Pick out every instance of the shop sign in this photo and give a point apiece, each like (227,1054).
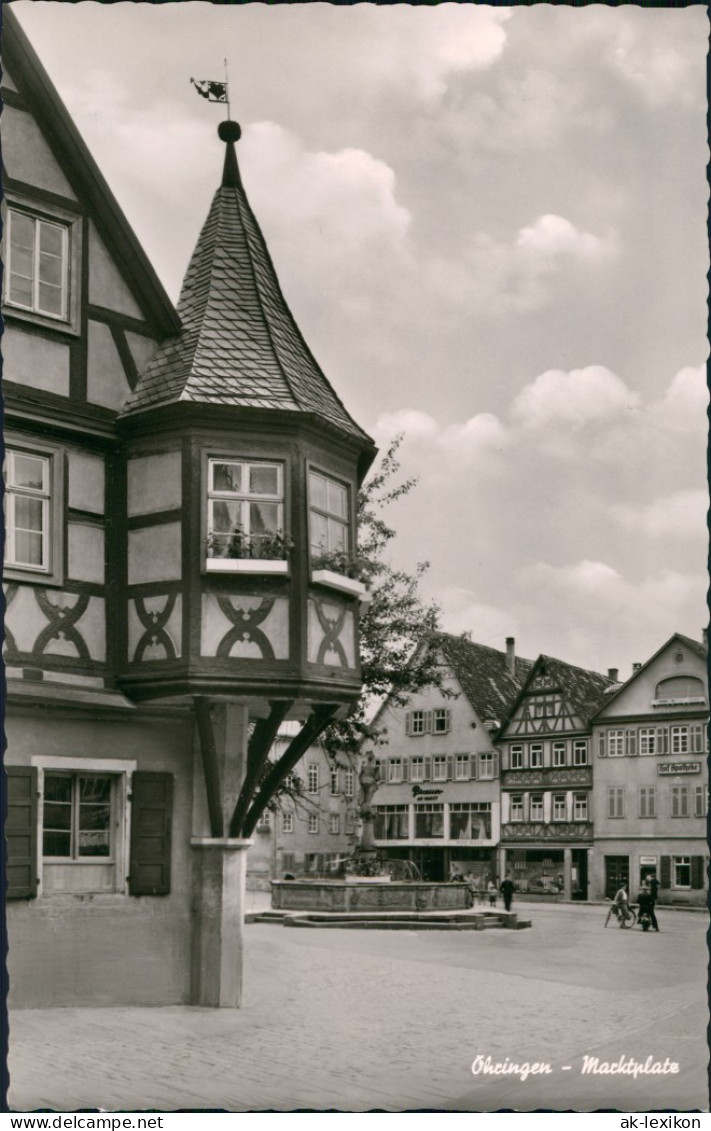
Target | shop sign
(679,768)
(646,860)
(425,794)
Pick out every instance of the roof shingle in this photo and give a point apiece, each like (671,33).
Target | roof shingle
(240,344)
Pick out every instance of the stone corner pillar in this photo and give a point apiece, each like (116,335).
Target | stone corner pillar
(220,868)
(567,873)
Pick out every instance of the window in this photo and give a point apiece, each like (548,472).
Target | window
(313,822)
(486,766)
(38,265)
(429,820)
(263,823)
(615,801)
(560,808)
(439,767)
(580,806)
(679,689)
(287,822)
(76,818)
(395,770)
(516,807)
(348,782)
(580,753)
(334,782)
(615,743)
(416,722)
(312,777)
(461,767)
(440,720)
(470,820)
(701,800)
(328,515)
(28,511)
(536,806)
(680,801)
(536,755)
(417,769)
(245,509)
(545,707)
(647,801)
(680,740)
(517,757)
(681,875)
(558,753)
(647,741)
(334,823)
(391,822)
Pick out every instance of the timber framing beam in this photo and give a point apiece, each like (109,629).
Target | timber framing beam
(260,743)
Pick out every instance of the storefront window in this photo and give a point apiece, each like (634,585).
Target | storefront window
(470,821)
(391,822)
(429,820)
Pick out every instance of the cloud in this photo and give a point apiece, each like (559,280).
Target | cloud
(552,235)
(661,58)
(346,196)
(681,515)
(573,399)
(462,611)
(481,437)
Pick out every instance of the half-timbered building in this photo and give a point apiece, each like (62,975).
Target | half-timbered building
(181,507)
(546,779)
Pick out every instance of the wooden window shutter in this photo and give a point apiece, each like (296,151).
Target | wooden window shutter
(408,723)
(474,764)
(450,767)
(405,769)
(665,872)
(601,752)
(151,821)
(697,872)
(496,763)
(21,832)
(428,768)
(631,741)
(427,718)
(663,736)
(697,738)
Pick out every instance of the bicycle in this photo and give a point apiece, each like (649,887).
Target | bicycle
(629,919)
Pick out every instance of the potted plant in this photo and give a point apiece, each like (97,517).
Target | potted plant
(236,551)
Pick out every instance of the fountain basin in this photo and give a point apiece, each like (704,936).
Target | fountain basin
(368,894)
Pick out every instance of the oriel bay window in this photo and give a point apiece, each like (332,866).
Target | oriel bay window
(470,820)
(391,822)
(245,510)
(429,820)
(328,517)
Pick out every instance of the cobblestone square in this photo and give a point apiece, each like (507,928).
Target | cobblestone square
(392,1020)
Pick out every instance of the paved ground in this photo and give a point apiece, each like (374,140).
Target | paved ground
(392,1020)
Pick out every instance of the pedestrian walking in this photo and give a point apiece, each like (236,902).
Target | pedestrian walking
(491,889)
(507,890)
(622,904)
(653,885)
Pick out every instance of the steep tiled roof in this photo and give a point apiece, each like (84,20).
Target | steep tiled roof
(240,344)
(584,690)
(694,645)
(483,674)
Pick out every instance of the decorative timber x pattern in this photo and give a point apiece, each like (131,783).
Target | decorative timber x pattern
(62,619)
(538,830)
(154,622)
(548,776)
(332,627)
(245,628)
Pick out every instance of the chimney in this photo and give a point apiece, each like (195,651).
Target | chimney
(636,666)
(511,655)
(612,673)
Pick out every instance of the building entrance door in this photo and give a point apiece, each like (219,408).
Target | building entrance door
(430,863)
(617,874)
(580,873)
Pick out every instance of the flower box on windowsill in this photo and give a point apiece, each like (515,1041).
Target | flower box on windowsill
(247,565)
(339,581)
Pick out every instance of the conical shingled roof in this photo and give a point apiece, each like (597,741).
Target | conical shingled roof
(240,344)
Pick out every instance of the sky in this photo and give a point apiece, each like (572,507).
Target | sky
(490,225)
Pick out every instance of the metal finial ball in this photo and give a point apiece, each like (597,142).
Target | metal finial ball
(229,131)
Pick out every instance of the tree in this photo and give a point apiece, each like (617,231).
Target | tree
(394,631)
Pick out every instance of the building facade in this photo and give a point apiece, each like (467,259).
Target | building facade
(438,803)
(650,790)
(547,780)
(313,827)
(181,509)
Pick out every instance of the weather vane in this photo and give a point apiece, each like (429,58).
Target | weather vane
(214,91)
